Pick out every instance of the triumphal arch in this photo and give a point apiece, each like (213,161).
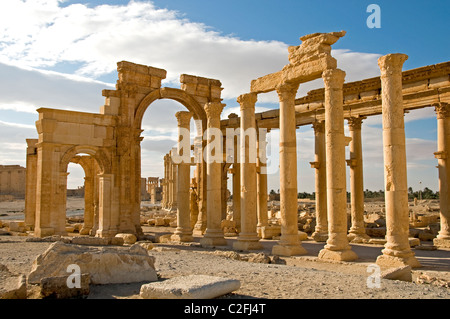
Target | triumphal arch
(107,146)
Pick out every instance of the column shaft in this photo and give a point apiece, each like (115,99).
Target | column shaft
(289,243)
(337,247)
(397,250)
(214,234)
(183,233)
(248,237)
(321,231)
(357,231)
(443,141)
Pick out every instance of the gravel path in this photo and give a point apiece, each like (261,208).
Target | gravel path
(299,278)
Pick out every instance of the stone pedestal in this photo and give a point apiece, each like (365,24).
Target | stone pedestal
(213,234)
(443,139)
(248,238)
(337,247)
(321,231)
(357,233)
(289,243)
(397,250)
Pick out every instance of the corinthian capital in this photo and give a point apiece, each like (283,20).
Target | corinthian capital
(442,110)
(354,123)
(183,118)
(213,110)
(247,100)
(287,91)
(391,63)
(333,78)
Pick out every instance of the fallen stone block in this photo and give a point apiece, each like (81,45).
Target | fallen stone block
(49,239)
(128,239)
(399,273)
(90,241)
(105,265)
(190,287)
(377,241)
(413,242)
(147,245)
(261,258)
(426,247)
(11,285)
(4,232)
(425,236)
(58,287)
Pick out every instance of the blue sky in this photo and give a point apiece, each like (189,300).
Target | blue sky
(61,54)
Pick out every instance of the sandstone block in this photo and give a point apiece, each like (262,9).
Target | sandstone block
(413,242)
(91,241)
(56,287)
(189,287)
(105,265)
(128,239)
(12,286)
(425,236)
(399,273)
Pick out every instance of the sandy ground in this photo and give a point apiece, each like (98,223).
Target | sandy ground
(302,277)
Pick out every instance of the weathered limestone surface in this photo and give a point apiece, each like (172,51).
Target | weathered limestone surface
(56,287)
(397,251)
(105,265)
(190,287)
(248,236)
(213,235)
(337,247)
(289,244)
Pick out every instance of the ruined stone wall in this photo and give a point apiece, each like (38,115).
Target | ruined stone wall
(12,180)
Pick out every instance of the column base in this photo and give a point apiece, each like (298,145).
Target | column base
(213,238)
(247,242)
(181,237)
(441,242)
(319,237)
(268,232)
(288,250)
(85,231)
(391,261)
(338,255)
(44,232)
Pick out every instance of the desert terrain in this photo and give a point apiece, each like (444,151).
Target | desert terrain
(261,274)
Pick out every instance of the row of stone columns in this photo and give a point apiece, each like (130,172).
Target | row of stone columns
(251,206)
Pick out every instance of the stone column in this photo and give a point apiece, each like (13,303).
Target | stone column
(173,182)
(213,234)
(183,233)
(337,247)
(289,243)
(106,182)
(397,251)
(443,140)
(88,202)
(164,184)
(237,186)
(248,237)
(261,184)
(357,233)
(321,231)
(31,180)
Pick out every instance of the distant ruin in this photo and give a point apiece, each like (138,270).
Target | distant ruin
(12,181)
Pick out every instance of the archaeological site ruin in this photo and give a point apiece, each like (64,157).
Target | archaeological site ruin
(108,144)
